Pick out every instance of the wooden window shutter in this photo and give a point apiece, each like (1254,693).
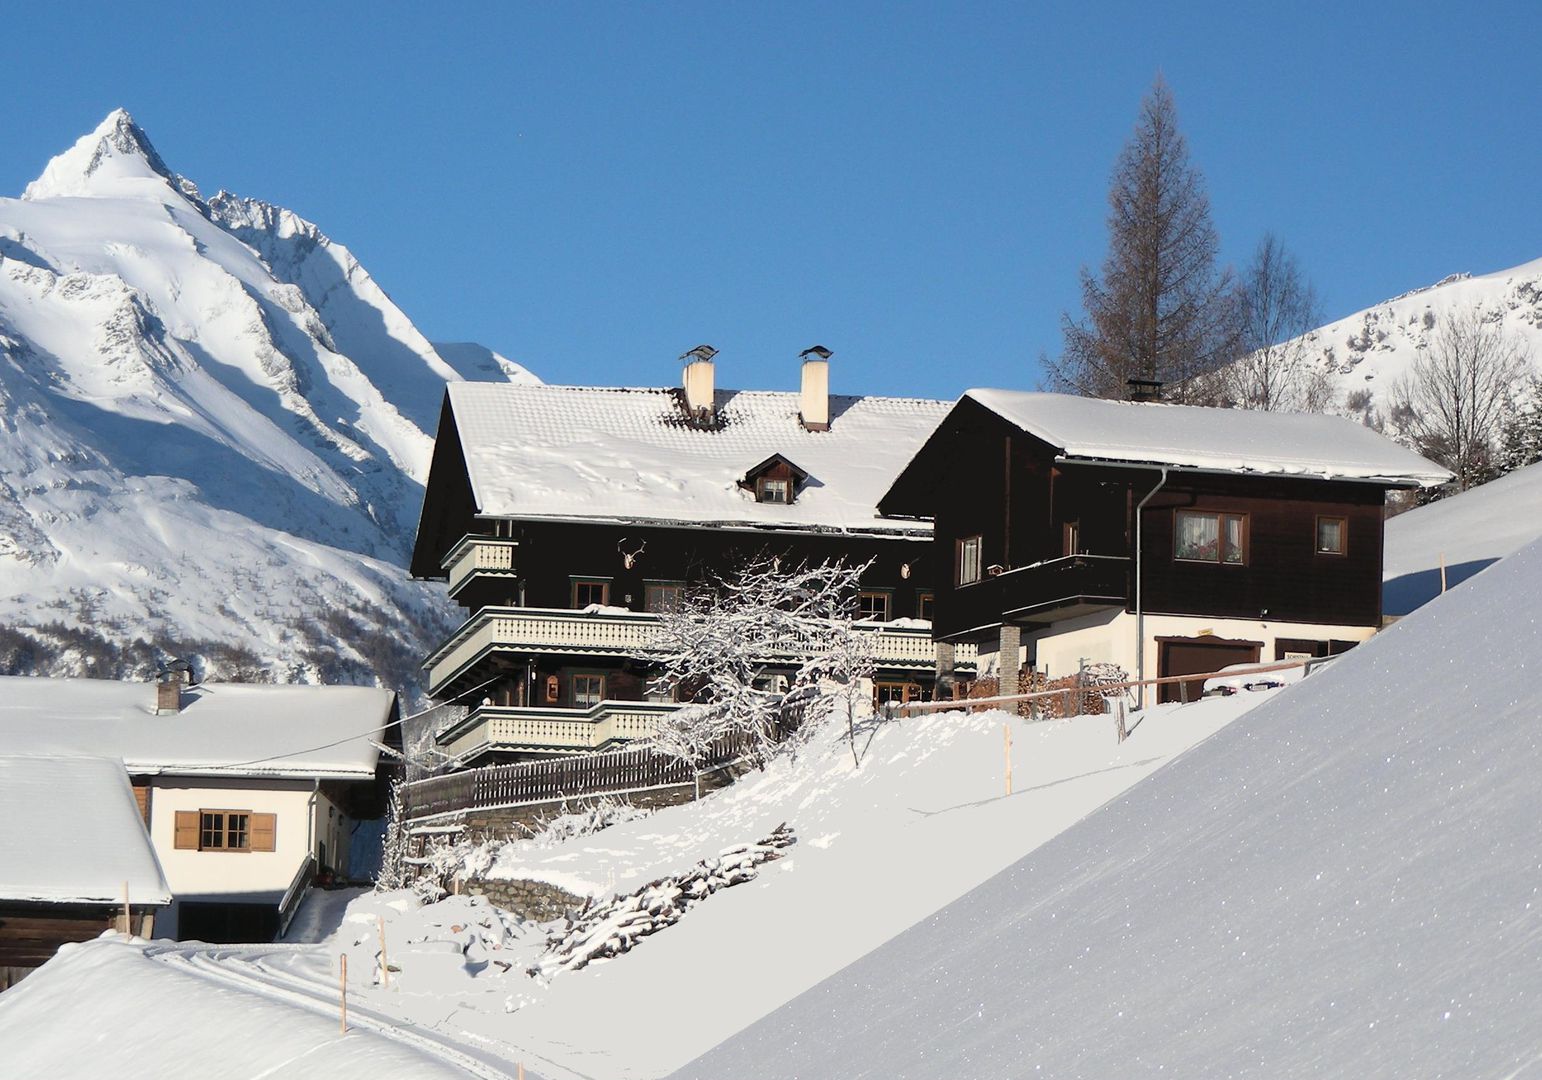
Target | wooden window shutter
(264,831)
(187,830)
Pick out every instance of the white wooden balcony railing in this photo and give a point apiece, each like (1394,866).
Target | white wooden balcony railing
(555,631)
(494,727)
(479,555)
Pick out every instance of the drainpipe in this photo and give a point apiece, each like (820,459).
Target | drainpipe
(1140,609)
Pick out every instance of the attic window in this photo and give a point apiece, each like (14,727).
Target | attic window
(773,490)
(775,480)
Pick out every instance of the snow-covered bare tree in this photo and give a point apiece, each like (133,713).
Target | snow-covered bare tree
(394,873)
(1159,310)
(1451,403)
(758,653)
(1276,308)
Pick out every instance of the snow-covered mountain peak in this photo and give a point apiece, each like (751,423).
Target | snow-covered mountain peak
(116,159)
(214,432)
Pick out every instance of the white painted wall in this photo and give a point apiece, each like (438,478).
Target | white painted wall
(234,875)
(1110,638)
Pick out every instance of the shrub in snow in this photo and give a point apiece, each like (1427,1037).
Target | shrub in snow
(394,872)
(567,824)
(611,927)
(759,655)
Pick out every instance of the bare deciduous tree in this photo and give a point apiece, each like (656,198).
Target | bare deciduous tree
(1451,403)
(1276,308)
(1159,310)
(756,649)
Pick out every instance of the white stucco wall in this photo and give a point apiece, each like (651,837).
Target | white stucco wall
(233,875)
(1111,638)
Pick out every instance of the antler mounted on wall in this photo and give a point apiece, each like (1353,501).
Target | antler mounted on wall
(629,558)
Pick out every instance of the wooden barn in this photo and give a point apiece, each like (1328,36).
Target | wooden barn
(75,858)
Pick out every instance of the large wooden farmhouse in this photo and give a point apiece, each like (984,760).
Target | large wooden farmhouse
(565,519)
(1166,539)
(246,793)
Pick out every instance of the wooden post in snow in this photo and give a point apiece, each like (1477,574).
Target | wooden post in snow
(1119,726)
(385,965)
(128,919)
(1442,571)
(342,993)
(521,1071)
(1006,731)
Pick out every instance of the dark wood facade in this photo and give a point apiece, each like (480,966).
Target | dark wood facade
(31,932)
(1057,538)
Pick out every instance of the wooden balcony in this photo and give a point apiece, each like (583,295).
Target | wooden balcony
(493,728)
(1036,595)
(479,555)
(615,634)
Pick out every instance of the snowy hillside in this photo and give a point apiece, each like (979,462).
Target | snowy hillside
(1341,883)
(214,427)
(1366,352)
(1468,532)
(878,848)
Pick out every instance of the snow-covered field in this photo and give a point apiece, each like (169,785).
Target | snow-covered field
(1468,532)
(879,848)
(1345,882)
(214,428)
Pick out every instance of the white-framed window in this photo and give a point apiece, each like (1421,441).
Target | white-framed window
(1332,536)
(773,490)
(968,560)
(1210,536)
(587,689)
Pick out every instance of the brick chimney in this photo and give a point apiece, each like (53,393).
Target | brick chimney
(168,687)
(814,395)
(697,382)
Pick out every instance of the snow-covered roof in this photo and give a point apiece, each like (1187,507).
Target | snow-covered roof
(579,452)
(70,832)
(1231,440)
(223,729)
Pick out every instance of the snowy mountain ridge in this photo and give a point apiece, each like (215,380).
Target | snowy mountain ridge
(214,428)
(1367,352)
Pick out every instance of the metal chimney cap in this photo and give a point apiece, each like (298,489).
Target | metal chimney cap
(815,350)
(701,352)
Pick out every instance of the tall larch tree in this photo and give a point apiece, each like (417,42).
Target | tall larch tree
(1160,310)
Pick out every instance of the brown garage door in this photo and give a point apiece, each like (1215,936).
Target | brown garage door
(1194,656)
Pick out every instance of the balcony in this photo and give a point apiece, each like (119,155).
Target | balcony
(615,634)
(479,555)
(494,729)
(1040,594)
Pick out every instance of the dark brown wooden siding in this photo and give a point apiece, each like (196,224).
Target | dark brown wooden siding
(31,933)
(1284,578)
(449,507)
(992,480)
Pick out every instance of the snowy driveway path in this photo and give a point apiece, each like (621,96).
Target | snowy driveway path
(304,976)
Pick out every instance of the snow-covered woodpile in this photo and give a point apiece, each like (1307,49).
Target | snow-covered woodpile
(612,927)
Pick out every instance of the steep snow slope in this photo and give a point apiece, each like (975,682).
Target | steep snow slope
(1469,531)
(1369,350)
(214,426)
(1344,882)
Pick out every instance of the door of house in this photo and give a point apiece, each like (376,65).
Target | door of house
(1196,656)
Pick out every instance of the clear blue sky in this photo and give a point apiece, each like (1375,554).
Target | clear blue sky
(594,189)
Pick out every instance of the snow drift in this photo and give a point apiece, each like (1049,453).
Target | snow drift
(1343,882)
(214,428)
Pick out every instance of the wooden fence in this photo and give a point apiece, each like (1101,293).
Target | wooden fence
(525,782)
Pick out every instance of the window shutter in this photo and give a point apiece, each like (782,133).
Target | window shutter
(186,830)
(264,830)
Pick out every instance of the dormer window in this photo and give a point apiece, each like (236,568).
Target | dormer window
(772,490)
(775,480)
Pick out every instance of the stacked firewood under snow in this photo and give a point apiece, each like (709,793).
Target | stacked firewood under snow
(611,927)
